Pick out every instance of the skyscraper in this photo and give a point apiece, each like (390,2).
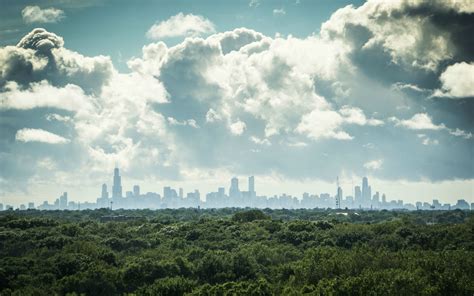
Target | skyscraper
(63,201)
(358,196)
(366,196)
(117,187)
(103,201)
(338,197)
(234,191)
(252,186)
(105,193)
(376,199)
(136,190)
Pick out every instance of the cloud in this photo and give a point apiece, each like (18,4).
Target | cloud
(422,121)
(236,39)
(212,116)
(41,40)
(297,144)
(38,135)
(34,14)
(238,127)
(419,121)
(407,86)
(254,3)
(457,81)
(414,34)
(303,101)
(425,140)
(460,133)
(279,12)
(357,116)
(189,122)
(58,117)
(260,141)
(321,124)
(181,25)
(42,94)
(40,55)
(374,164)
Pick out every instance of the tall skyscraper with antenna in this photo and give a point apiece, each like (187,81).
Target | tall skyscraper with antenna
(338,194)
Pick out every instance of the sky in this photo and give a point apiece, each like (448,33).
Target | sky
(191,93)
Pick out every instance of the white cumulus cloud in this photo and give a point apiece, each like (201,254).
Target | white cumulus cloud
(35,14)
(422,121)
(42,94)
(457,81)
(238,127)
(39,135)
(323,124)
(419,121)
(181,25)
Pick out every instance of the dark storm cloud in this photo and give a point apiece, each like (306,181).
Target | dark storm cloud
(437,21)
(40,55)
(458,24)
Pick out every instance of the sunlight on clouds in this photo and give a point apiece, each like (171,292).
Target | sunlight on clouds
(38,135)
(457,81)
(181,25)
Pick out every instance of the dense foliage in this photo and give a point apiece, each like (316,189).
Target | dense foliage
(236,252)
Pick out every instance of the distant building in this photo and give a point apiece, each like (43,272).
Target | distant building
(338,197)
(358,196)
(117,187)
(252,192)
(418,205)
(31,205)
(136,190)
(462,205)
(376,200)
(366,192)
(105,193)
(102,201)
(234,191)
(63,201)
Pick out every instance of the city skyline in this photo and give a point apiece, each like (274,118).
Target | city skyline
(362,198)
(295,93)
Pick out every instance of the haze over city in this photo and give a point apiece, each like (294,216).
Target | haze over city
(189,94)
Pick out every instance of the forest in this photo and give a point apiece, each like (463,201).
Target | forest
(236,252)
